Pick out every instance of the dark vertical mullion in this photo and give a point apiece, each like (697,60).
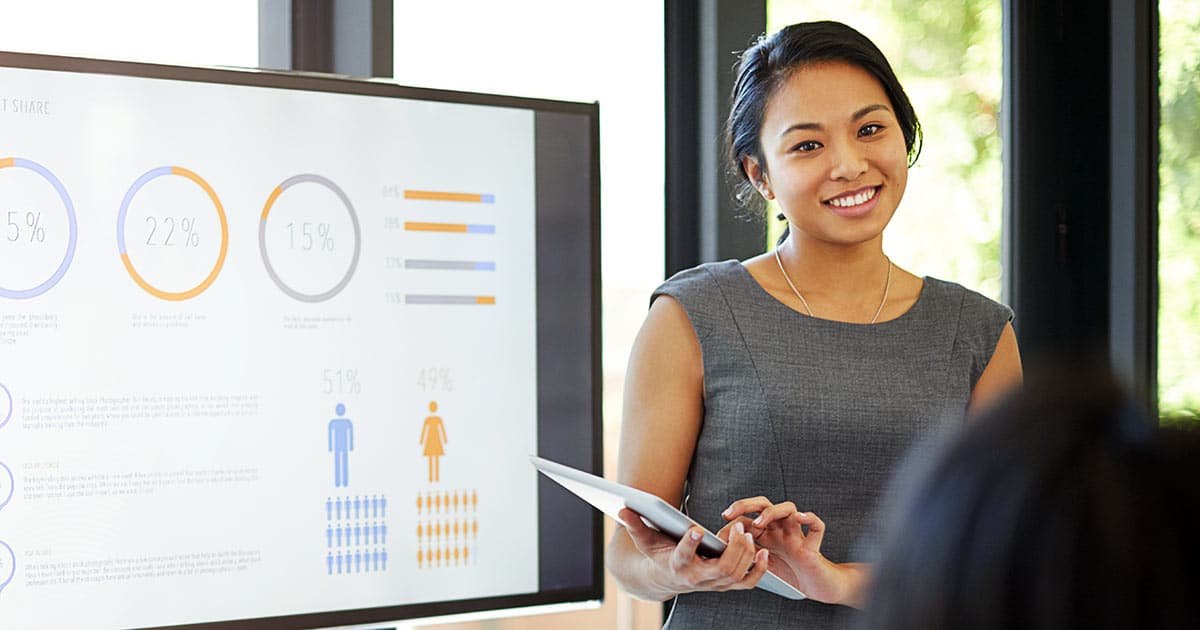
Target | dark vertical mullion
(702,42)
(1133,292)
(349,37)
(681,117)
(312,35)
(1057,146)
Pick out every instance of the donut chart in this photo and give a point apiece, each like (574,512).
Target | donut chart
(6,400)
(124,252)
(264,250)
(72,233)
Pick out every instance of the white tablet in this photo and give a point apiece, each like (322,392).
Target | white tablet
(609,497)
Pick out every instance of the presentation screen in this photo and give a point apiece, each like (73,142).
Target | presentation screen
(275,348)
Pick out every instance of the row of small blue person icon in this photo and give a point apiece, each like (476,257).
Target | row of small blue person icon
(374,506)
(373,534)
(357,562)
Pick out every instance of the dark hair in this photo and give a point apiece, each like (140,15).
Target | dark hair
(765,66)
(1064,507)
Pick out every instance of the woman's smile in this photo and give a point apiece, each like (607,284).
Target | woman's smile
(855,203)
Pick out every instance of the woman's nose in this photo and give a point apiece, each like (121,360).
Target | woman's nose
(849,163)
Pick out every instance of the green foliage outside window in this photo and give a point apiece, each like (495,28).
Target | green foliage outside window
(1179,209)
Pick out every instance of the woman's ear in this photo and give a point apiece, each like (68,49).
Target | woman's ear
(758,177)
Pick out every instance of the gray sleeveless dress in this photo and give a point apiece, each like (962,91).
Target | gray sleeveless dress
(816,412)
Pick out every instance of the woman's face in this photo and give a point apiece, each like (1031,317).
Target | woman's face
(835,155)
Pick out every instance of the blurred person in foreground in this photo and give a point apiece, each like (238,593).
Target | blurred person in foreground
(1065,506)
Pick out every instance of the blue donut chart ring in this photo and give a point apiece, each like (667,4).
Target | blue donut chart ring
(5,579)
(24,294)
(7,416)
(4,471)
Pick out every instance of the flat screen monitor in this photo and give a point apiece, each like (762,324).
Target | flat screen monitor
(275,348)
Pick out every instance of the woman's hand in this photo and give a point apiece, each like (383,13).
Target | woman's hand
(677,568)
(794,539)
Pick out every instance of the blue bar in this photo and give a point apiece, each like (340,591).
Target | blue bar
(481,229)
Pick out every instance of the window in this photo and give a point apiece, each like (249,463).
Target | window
(1179,208)
(215,32)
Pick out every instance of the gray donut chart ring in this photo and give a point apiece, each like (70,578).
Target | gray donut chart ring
(262,238)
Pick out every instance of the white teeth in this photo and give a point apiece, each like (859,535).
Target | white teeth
(855,200)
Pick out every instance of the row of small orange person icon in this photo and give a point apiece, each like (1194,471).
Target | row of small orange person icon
(443,557)
(447,529)
(446,502)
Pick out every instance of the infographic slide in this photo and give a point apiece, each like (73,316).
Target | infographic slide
(263,351)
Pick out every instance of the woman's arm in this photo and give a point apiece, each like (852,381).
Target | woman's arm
(664,394)
(1002,374)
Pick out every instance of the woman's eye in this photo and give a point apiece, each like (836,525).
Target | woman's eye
(805,147)
(870,130)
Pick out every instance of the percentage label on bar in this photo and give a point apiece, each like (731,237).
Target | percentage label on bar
(341,381)
(434,379)
(303,236)
(161,231)
(35,233)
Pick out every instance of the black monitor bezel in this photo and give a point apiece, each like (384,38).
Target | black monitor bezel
(319,82)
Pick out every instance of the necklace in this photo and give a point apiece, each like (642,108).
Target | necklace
(886,287)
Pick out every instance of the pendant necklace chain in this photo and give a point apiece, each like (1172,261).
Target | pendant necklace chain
(886,287)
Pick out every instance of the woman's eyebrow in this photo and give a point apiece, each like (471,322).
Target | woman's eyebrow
(812,126)
(868,109)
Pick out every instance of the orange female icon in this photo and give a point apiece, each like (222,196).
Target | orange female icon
(433,437)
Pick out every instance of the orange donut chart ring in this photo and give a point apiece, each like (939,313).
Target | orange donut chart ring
(133,273)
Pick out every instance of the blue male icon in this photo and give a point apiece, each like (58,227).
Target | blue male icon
(341,442)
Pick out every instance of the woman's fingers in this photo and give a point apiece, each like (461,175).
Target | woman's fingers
(776,512)
(740,566)
(725,532)
(739,553)
(644,538)
(816,529)
(762,559)
(685,552)
(745,506)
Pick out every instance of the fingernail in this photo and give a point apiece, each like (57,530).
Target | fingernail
(758,521)
(728,511)
(766,555)
(737,527)
(695,535)
(749,538)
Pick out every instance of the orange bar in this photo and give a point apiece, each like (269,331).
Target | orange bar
(430,195)
(6,162)
(485,299)
(416,226)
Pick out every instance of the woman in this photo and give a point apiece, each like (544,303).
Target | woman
(805,373)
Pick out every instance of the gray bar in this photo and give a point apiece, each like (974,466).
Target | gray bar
(442,299)
(452,265)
